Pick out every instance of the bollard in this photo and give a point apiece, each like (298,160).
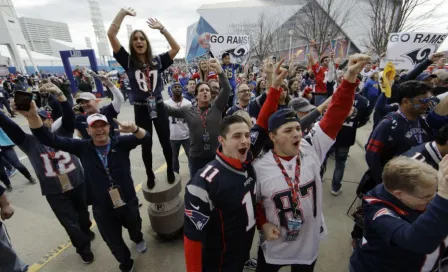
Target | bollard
(166,206)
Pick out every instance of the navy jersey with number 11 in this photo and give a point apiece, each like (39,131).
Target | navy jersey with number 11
(219,212)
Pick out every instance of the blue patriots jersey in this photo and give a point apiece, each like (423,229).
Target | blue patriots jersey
(426,152)
(220,213)
(398,238)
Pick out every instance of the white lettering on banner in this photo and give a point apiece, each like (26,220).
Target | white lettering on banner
(75,54)
(406,50)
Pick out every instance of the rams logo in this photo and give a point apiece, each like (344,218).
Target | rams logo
(421,54)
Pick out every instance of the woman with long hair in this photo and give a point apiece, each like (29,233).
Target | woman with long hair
(293,86)
(260,88)
(145,76)
(204,70)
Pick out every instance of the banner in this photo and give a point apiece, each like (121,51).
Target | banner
(238,46)
(406,50)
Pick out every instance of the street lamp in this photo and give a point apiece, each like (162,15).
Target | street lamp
(291,32)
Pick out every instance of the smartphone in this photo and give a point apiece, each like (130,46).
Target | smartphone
(23,100)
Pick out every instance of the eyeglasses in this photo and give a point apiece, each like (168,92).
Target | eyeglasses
(424,100)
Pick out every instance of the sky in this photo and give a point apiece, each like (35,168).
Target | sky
(175,15)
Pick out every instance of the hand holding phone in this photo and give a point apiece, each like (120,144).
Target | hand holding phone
(22,100)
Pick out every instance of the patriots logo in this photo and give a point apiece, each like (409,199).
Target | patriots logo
(384,211)
(253,136)
(199,219)
(421,54)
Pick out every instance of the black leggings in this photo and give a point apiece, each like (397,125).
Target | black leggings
(8,153)
(162,126)
(262,266)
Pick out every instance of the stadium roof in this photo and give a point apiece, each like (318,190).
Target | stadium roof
(356,28)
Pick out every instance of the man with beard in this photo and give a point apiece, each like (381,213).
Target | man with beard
(243,95)
(179,132)
(202,120)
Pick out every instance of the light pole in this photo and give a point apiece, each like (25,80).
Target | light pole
(291,32)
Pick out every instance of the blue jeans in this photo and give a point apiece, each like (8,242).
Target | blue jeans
(340,154)
(175,146)
(319,99)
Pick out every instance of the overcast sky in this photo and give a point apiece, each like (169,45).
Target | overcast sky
(175,15)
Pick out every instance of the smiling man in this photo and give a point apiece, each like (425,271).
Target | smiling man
(108,178)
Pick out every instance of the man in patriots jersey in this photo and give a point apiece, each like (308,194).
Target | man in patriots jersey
(431,152)
(220,199)
(405,219)
(60,175)
(289,187)
(230,70)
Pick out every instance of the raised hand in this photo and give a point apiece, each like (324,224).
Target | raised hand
(125,126)
(128,11)
(214,63)
(436,56)
(280,75)
(154,24)
(268,66)
(356,63)
(50,88)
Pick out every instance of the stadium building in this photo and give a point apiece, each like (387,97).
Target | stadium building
(243,17)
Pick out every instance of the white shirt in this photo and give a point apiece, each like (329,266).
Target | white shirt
(178,126)
(366,76)
(275,194)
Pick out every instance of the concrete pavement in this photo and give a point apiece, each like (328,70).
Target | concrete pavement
(35,232)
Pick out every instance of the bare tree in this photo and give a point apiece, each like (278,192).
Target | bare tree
(321,21)
(260,34)
(391,16)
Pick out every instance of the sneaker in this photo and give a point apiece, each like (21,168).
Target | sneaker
(87,258)
(12,172)
(32,181)
(251,264)
(141,247)
(91,235)
(9,188)
(336,193)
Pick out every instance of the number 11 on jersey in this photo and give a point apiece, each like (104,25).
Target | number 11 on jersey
(247,202)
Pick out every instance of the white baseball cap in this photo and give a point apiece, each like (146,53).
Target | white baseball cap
(86,96)
(96,117)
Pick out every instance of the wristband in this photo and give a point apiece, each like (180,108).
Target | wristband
(59,94)
(162,30)
(138,128)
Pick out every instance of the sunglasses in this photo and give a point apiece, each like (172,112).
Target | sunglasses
(424,100)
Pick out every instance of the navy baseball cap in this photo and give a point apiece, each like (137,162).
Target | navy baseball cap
(44,114)
(282,117)
(425,76)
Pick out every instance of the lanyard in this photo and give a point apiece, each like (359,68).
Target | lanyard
(105,161)
(203,117)
(419,139)
(54,161)
(294,187)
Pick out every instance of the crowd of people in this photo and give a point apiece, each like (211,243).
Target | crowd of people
(257,140)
